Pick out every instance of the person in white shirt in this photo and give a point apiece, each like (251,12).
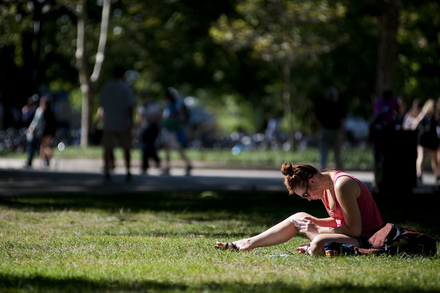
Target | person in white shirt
(118,102)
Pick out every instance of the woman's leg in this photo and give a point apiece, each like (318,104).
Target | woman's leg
(155,157)
(167,150)
(42,147)
(317,244)
(438,165)
(108,150)
(151,143)
(278,234)
(168,140)
(181,151)
(419,162)
(434,163)
(48,150)
(145,164)
(45,150)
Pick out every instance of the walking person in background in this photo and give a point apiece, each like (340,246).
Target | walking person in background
(173,116)
(46,154)
(428,139)
(118,102)
(411,121)
(331,115)
(148,120)
(27,116)
(412,118)
(41,131)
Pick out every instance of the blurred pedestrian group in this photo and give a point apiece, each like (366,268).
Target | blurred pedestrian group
(118,122)
(391,113)
(153,125)
(391,119)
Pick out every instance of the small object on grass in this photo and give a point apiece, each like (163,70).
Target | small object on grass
(280,255)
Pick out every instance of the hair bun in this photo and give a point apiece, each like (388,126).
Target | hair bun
(287,169)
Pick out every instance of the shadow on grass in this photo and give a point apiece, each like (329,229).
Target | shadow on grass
(270,206)
(413,211)
(43,284)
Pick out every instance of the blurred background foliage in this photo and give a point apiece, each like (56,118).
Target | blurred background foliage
(235,57)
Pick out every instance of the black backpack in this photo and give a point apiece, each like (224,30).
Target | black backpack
(393,239)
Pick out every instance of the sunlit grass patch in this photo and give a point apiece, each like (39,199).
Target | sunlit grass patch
(165,243)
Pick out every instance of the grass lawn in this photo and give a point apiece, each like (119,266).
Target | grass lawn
(354,158)
(154,242)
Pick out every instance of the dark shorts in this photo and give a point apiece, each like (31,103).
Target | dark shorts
(109,139)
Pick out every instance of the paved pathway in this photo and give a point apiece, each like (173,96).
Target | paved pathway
(86,176)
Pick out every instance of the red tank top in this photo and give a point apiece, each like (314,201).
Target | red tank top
(370,215)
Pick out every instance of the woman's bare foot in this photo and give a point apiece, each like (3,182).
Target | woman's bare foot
(303,248)
(226,246)
(244,244)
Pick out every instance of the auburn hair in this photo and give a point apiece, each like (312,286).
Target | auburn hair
(297,175)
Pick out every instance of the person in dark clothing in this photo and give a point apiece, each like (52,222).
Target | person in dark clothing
(428,140)
(331,115)
(148,119)
(42,128)
(385,109)
(172,129)
(28,111)
(27,115)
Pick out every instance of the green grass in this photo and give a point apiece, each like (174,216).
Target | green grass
(353,158)
(153,242)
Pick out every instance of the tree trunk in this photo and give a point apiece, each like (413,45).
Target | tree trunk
(387,46)
(287,105)
(88,84)
(100,55)
(81,65)
(37,38)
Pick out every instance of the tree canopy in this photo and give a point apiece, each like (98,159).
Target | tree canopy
(246,60)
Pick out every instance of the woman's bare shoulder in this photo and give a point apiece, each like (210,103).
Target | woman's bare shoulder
(347,186)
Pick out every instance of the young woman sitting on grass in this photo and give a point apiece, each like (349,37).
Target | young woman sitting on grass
(354,215)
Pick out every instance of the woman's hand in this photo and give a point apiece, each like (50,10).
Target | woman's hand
(306,225)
